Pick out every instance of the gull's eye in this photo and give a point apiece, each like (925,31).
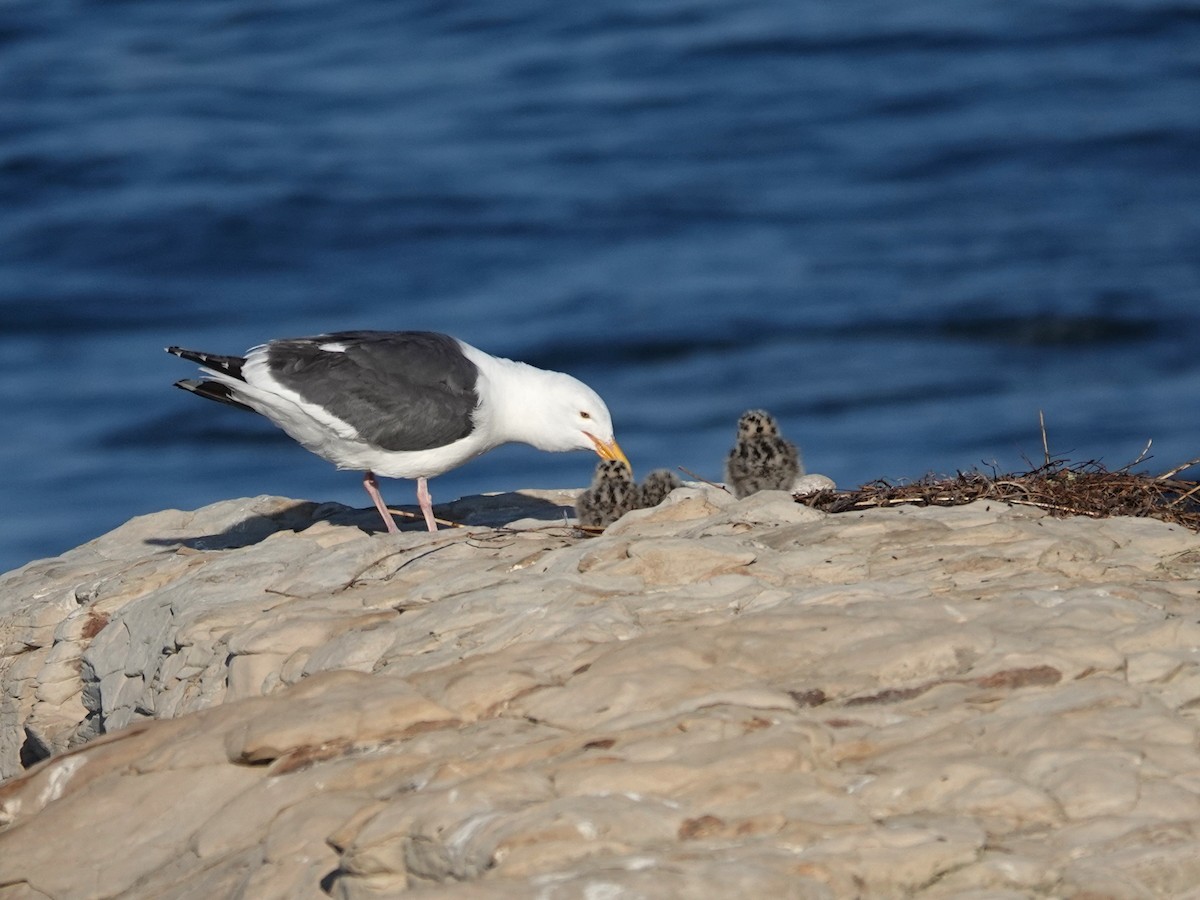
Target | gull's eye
(584,414)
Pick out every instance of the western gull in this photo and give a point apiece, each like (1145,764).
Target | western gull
(612,494)
(656,486)
(404,404)
(761,460)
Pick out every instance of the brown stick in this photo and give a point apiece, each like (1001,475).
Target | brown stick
(1175,471)
(412,515)
(705,480)
(1045,443)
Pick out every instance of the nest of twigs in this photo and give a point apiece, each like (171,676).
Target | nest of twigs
(1059,487)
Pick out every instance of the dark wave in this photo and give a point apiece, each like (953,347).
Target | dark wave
(1051,330)
(93,312)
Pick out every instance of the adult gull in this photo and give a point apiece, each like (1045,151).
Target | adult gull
(404,404)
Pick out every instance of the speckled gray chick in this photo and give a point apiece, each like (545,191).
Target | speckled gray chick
(657,485)
(612,494)
(761,460)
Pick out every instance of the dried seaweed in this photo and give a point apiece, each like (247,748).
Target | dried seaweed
(1059,487)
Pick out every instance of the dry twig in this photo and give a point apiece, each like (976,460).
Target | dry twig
(711,484)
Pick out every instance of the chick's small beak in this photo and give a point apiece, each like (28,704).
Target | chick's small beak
(609,449)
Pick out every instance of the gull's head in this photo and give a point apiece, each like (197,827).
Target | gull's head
(571,416)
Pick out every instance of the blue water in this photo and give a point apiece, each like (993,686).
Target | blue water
(902,227)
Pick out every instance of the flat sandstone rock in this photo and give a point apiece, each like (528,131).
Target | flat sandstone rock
(712,698)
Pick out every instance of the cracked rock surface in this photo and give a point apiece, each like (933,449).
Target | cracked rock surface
(714,698)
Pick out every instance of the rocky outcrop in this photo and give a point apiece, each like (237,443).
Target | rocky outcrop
(713,698)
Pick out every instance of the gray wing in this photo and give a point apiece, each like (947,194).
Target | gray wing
(400,390)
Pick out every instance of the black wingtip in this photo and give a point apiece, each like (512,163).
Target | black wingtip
(212,390)
(231,365)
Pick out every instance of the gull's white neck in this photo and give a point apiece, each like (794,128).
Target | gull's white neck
(508,391)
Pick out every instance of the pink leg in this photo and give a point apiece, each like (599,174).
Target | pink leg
(426,502)
(373,489)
